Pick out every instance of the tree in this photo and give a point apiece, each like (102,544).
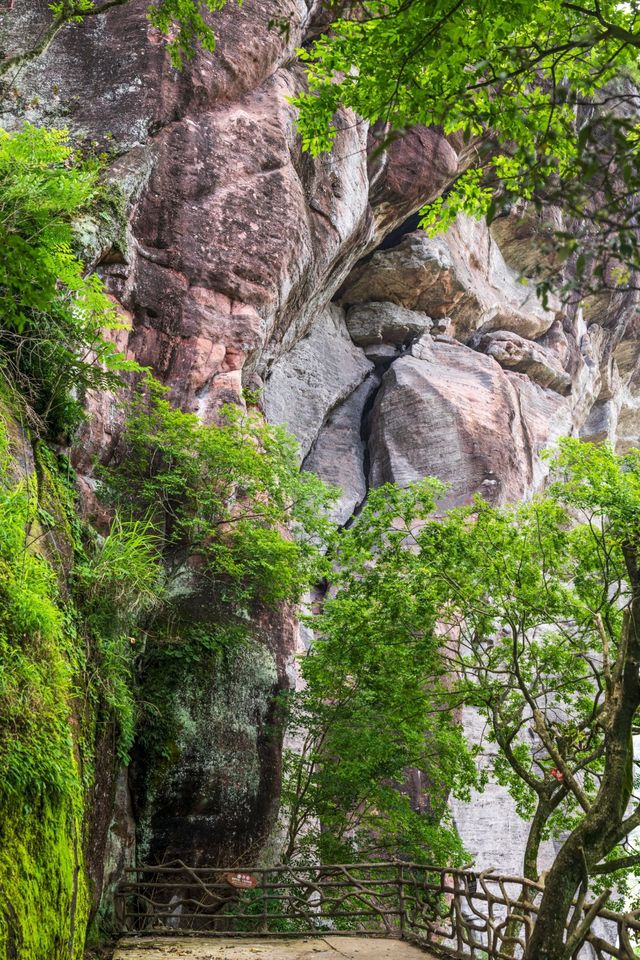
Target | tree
(528,613)
(543,95)
(543,602)
(374,705)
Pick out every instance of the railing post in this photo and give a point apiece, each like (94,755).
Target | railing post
(401,899)
(265,911)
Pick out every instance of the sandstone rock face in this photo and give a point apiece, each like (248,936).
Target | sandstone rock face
(458,416)
(385,323)
(462,276)
(241,260)
(515,353)
(319,373)
(413,171)
(339,452)
(525,239)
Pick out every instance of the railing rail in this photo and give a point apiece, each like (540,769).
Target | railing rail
(455,913)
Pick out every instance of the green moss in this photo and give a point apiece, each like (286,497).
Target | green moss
(56,510)
(44,897)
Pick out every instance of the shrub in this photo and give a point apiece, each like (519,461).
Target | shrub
(221,498)
(53,314)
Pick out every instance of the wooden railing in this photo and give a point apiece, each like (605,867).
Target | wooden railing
(455,913)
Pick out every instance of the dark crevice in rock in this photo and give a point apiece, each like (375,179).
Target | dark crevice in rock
(390,240)
(394,237)
(365,436)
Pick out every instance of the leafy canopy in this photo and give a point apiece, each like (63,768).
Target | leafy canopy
(374,705)
(516,82)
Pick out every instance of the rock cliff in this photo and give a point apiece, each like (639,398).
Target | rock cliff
(243,263)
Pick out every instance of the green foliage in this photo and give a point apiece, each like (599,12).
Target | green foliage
(70,606)
(375,702)
(472,71)
(52,342)
(220,498)
(192,27)
(117,583)
(36,658)
(44,636)
(119,576)
(513,78)
(523,612)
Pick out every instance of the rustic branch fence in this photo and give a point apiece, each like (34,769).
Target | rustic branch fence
(454,913)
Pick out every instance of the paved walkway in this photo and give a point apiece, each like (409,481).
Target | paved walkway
(313,948)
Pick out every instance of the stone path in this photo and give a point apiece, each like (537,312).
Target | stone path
(313,948)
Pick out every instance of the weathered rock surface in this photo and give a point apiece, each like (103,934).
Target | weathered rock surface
(321,371)
(458,416)
(339,452)
(374,323)
(514,352)
(525,237)
(413,171)
(461,275)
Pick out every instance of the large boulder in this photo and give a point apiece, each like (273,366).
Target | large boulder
(372,323)
(455,414)
(516,353)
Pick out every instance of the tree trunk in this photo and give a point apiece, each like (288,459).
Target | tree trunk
(600,830)
(561,886)
(530,872)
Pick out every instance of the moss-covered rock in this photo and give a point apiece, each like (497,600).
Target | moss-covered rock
(201,764)
(52,712)
(44,898)
(43,886)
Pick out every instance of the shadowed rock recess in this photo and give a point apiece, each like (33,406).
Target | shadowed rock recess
(244,263)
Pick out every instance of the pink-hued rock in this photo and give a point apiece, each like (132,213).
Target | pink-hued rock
(233,246)
(318,374)
(236,237)
(458,416)
(413,171)
(514,352)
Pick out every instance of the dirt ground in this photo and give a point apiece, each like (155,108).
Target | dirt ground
(313,948)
